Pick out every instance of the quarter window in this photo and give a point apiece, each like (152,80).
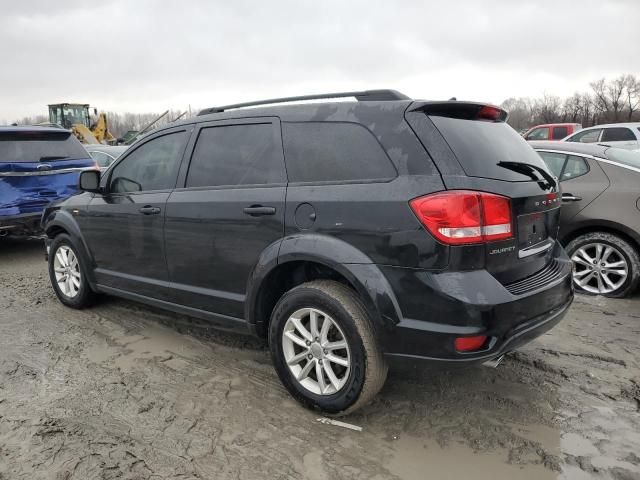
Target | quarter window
(334,152)
(102,158)
(152,166)
(617,134)
(236,155)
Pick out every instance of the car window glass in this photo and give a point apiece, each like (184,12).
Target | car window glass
(334,151)
(554,161)
(575,167)
(37,146)
(101,158)
(539,134)
(236,155)
(586,136)
(560,132)
(617,134)
(152,166)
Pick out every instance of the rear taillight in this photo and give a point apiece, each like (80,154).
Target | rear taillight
(469,344)
(459,217)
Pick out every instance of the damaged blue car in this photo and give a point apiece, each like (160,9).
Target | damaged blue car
(38,165)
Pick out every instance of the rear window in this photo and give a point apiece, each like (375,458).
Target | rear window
(560,132)
(20,147)
(334,152)
(479,147)
(625,157)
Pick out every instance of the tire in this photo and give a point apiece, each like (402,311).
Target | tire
(81,295)
(352,386)
(621,252)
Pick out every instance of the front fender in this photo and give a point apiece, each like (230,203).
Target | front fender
(352,264)
(55,220)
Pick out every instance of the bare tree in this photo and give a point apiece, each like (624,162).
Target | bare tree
(631,95)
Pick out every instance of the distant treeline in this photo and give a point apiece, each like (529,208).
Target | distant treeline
(119,123)
(608,101)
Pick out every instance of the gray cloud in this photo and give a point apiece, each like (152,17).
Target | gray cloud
(151,55)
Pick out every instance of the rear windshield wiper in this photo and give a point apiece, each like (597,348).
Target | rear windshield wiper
(528,169)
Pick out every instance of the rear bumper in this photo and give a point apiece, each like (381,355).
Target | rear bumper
(437,308)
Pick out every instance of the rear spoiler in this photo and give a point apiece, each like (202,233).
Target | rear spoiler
(462,110)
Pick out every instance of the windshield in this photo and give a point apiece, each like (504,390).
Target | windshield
(20,147)
(481,148)
(625,157)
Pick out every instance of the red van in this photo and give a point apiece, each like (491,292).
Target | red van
(551,131)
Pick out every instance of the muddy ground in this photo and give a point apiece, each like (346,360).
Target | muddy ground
(122,391)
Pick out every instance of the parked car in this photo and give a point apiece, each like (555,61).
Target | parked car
(619,135)
(347,234)
(551,131)
(600,216)
(105,155)
(37,165)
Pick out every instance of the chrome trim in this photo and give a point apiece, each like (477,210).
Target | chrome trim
(586,155)
(45,172)
(527,252)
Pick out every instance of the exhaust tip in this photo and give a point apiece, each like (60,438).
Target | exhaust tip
(493,363)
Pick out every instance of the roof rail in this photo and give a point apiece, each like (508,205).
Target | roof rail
(366,95)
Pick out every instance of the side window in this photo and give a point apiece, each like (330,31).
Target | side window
(586,136)
(541,133)
(618,134)
(559,133)
(236,155)
(554,161)
(152,166)
(575,167)
(334,152)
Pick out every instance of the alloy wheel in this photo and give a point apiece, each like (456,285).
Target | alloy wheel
(67,271)
(599,268)
(316,351)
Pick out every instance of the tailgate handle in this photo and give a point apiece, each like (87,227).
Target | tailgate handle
(568,197)
(149,210)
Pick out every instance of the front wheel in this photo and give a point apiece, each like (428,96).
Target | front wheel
(324,349)
(67,274)
(604,264)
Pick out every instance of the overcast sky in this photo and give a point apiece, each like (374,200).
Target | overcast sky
(144,56)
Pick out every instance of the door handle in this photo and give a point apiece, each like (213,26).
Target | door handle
(259,210)
(149,210)
(567,197)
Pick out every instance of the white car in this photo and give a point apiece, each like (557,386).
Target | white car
(620,135)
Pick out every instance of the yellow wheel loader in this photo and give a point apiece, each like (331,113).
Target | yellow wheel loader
(75,117)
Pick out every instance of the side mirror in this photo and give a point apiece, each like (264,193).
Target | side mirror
(89,181)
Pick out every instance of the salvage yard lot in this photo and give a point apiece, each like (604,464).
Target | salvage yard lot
(125,391)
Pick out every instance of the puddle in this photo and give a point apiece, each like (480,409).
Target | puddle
(417,459)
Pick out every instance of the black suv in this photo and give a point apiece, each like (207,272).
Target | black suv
(348,234)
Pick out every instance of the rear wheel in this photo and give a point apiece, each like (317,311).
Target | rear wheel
(324,349)
(67,274)
(604,264)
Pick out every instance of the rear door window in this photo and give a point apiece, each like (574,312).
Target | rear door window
(541,133)
(480,147)
(586,136)
(618,134)
(334,152)
(21,147)
(555,161)
(575,167)
(559,133)
(245,154)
